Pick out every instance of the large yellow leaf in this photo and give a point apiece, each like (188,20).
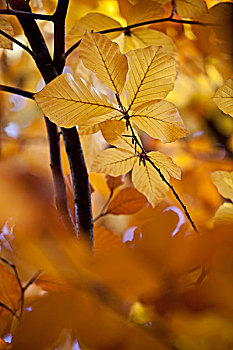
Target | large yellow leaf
(67,102)
(6,26)
(151,76)
(191,8)
(166,164)
(127,201)
(224,97)
(93,21)
(103,57)
(161,120)
(147,181)
(114,162)
(112,130)
(223,180)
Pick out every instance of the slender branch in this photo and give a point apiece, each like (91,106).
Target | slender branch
(17,91)
(31,281)
(147,158)
(17,42)
(162,176)
(136,25)
(27,14)
(59,34)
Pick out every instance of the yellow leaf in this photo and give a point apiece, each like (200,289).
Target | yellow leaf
(104,58)
(146,37)
(67,102)
(223,180)
(144,10)
(147,181)
(165,164)
(88,130)
(161,120)
(224,97)
(224,214)
(151,76)
(93,21)
(114,162)
(112,130)
(6,26)
(190,8)
(127,201)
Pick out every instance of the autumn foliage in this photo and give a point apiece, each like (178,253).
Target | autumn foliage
(117,217)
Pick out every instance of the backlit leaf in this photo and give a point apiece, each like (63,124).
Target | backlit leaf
(112,129)
(103,57)
(166,164)
(105,239)
(223,180)
(127,201)
(147,181)
(161,120)
(146,37)
(6,26)
(191,9)
(67,102)
(151,76)
(144,10)
(114,162)
(93,21)
(224,97)
(224,214)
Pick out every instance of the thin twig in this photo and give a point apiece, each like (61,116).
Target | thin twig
(162,177)
(9,309)
(27,14)
(146,157)
(136,25)
(17,42)
(17,91)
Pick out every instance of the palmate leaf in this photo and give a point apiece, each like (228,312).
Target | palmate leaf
(68,102)
(104,58)
(161,120)
(224,97)
(151,76)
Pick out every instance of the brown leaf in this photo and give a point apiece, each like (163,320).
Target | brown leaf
(10,292)
(127,201)
(114,181)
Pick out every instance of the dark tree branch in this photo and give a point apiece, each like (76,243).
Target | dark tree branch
(59,34)
(17,91)
(45,65)
(27,14)
(82,193)
(136,25)
(17,42)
